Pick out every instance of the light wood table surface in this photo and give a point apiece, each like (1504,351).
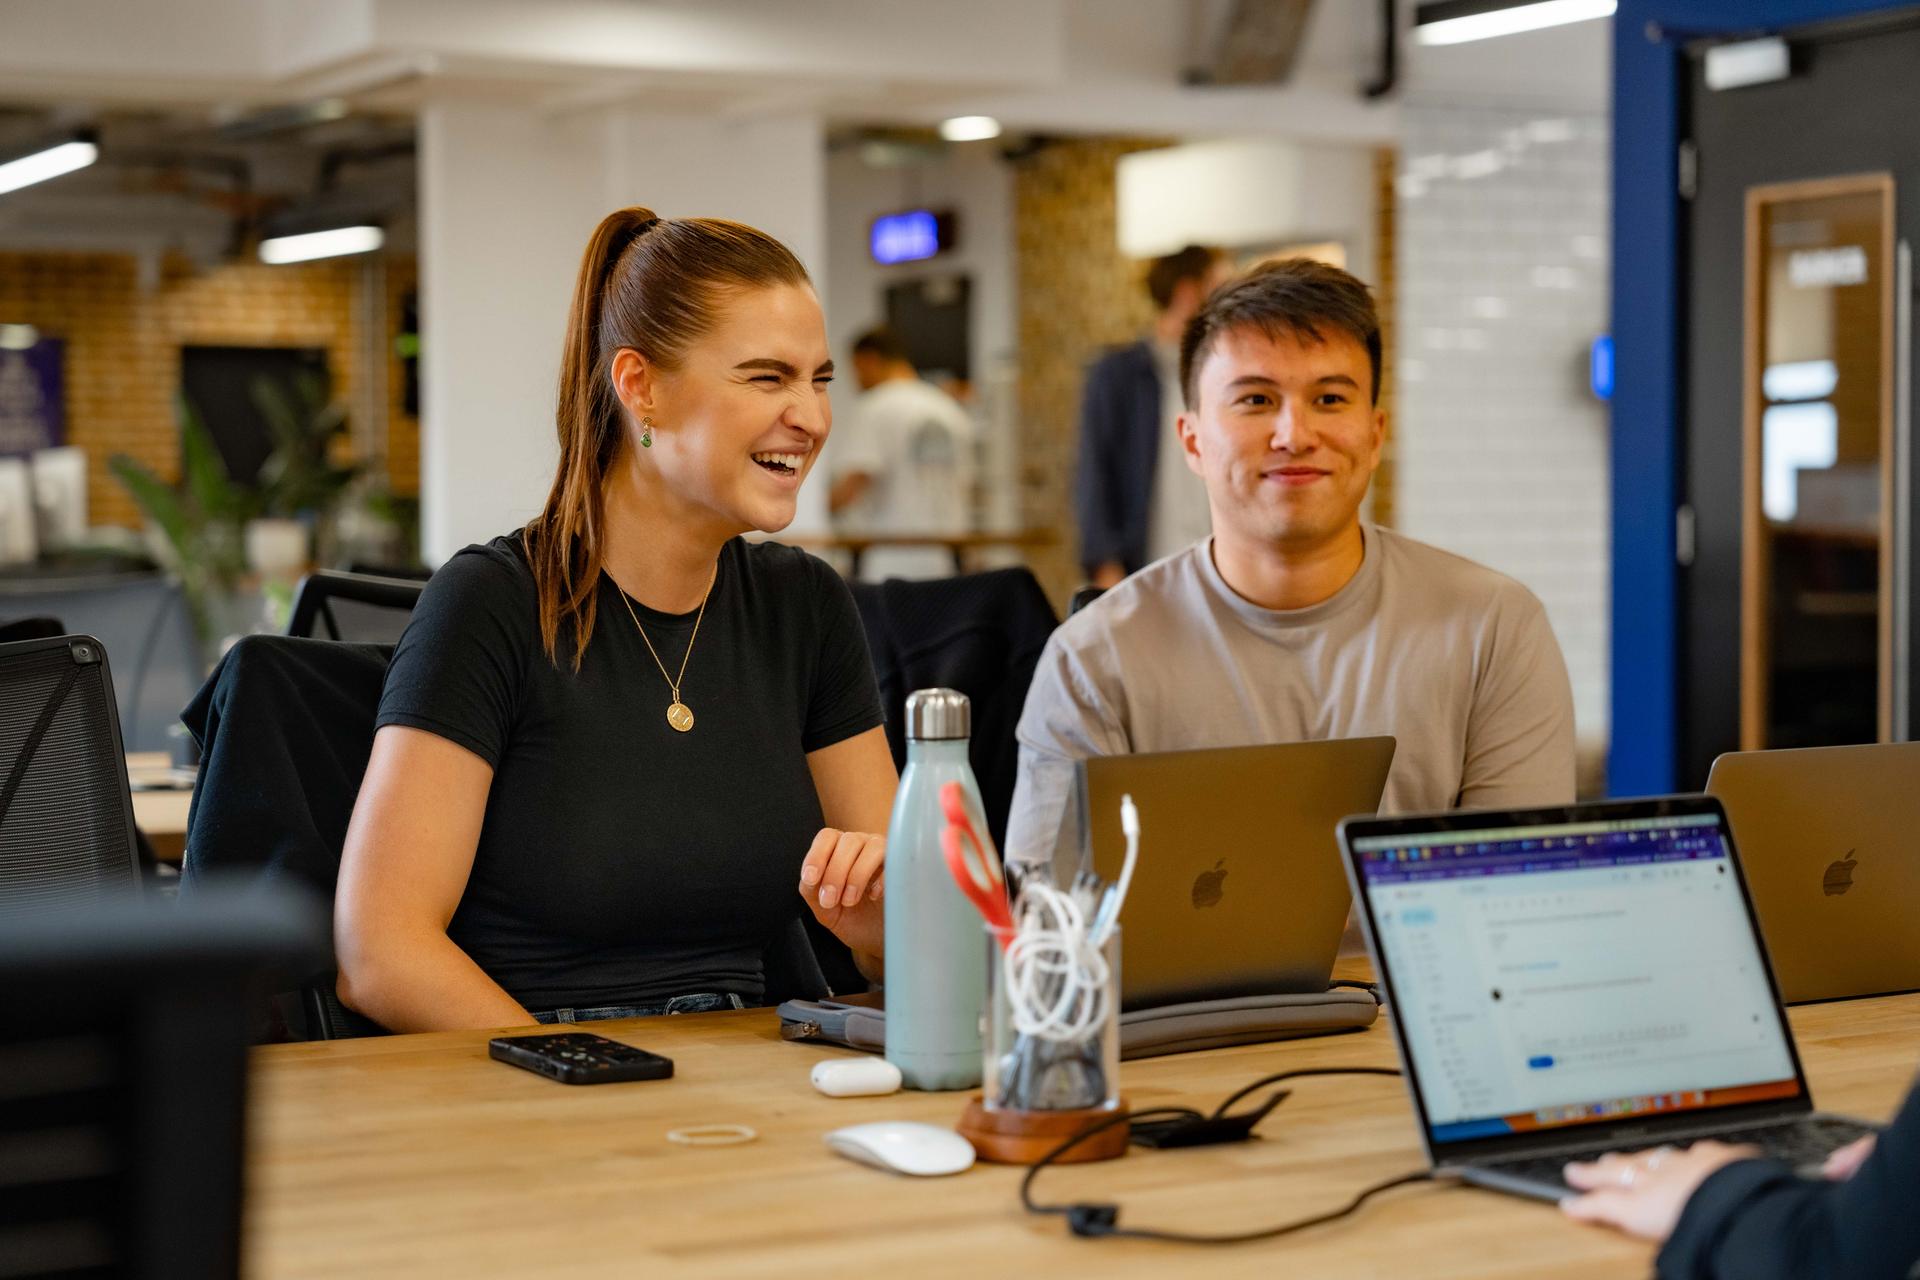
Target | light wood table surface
(160,814)
(418,1156)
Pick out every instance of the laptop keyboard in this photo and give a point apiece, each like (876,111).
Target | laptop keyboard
(1795,1142)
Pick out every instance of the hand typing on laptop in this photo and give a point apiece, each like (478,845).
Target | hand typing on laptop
(1643,1192)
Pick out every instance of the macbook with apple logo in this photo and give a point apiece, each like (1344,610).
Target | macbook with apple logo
(1238,890)
(1827,835)
(1569,981)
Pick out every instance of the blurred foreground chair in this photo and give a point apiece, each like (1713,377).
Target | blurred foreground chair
(66,818)
(123,1058)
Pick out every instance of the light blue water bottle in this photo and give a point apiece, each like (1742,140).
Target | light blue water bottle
(936,967)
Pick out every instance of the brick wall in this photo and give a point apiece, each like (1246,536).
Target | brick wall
(123,336)
(1077,294)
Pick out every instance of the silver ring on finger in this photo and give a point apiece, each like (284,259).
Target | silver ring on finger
(1627,1175)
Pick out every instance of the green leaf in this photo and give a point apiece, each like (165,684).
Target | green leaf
(205,471)
(159,503)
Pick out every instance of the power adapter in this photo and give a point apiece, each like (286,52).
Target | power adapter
(1195,1130)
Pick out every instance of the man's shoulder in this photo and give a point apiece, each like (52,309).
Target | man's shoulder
(1164,593)
(1447,576)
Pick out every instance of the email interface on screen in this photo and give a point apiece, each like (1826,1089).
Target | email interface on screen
(1564,975)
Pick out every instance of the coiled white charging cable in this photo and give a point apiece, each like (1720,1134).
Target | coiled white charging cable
(1056,967)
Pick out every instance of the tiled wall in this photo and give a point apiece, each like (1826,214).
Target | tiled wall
(1502,450)
(123,337)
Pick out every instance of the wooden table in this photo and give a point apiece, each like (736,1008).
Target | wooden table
(161,815)
(418,1156)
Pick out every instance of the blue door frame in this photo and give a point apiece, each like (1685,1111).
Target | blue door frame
(1649,84)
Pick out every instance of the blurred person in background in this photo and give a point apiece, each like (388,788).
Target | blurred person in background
(1137,501)
(902,462)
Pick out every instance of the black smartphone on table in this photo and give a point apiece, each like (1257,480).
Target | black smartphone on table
(577,1057)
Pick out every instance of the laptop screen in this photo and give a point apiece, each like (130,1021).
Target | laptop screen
(1573,973)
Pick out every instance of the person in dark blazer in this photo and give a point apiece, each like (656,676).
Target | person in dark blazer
(1132,510)
(1721,1213)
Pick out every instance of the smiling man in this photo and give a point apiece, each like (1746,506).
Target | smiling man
(1297,620)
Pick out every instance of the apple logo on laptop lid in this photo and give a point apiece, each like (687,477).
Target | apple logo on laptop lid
(1207,885)
(1837,880)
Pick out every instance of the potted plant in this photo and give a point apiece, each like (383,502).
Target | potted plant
(194,529)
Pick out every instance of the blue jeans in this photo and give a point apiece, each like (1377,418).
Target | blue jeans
(703,1002)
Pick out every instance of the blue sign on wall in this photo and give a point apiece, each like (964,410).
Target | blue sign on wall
(912,236)
(1600,367)
(32,395)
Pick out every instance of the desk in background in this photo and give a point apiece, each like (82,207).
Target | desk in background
(963,547)
(161,814)
(417,1155)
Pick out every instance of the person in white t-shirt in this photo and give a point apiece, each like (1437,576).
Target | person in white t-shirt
(901,462)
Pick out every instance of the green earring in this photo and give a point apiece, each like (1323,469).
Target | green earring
(646,433)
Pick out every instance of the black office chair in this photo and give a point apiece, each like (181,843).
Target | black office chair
(123,1060)
(66,818)
(980,633)
(331,605)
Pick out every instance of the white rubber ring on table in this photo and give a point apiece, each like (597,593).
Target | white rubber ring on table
(712,1135)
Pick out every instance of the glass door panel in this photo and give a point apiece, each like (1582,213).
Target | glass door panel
(1816,642)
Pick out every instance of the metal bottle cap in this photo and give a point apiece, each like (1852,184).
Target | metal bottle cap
(938,714)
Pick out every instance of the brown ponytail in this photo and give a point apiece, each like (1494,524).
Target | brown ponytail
(651,284)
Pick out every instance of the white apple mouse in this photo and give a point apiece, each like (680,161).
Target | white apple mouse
(904,1146)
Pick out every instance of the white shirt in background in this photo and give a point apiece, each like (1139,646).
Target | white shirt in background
(1177,511)
(918,444)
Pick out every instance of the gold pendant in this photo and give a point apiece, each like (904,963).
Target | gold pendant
(679,717)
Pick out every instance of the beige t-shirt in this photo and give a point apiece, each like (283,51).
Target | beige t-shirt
(1454,660)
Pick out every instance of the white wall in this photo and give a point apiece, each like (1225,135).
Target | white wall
(508,198)
(1502,228)
(504,214)
(976,183)
(1246,194)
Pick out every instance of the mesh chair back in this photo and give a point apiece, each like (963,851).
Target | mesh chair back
(330,605)
(66,819)
(123,1057)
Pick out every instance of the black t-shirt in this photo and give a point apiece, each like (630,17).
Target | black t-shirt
(621,861)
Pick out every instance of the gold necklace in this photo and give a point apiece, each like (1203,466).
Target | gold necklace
(678,715)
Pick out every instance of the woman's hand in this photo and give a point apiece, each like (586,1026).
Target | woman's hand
(1642,1193)
(1846,1162)
(842,881)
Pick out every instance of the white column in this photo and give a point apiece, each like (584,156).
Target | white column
(508,198)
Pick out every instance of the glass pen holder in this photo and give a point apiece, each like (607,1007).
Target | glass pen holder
(1051,1039)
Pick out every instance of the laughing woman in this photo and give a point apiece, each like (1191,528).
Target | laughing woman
(613,743)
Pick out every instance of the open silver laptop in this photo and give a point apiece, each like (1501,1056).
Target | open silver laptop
(1238,890)
(1830,839)
(1565,982)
